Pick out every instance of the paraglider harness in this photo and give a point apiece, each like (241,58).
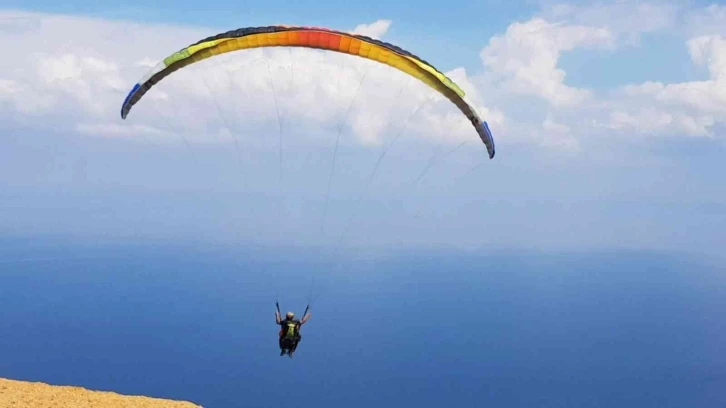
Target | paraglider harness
(290,332)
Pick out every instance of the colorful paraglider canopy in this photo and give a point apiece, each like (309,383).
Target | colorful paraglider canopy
(313,37)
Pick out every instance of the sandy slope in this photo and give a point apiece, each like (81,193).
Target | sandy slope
(20,394)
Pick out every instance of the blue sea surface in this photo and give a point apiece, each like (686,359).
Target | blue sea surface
(421,328)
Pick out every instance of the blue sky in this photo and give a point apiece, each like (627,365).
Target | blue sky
(608,117)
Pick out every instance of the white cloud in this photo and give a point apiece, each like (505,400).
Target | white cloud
(374,30)
(652,120)
(24,98)
(525,58)
(690,108)
(626,20)
(524,62)
(710,51)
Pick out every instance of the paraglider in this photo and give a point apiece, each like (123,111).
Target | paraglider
(313,37)
(290,330)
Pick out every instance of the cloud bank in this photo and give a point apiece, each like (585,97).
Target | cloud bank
(59,76)
(75,81)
